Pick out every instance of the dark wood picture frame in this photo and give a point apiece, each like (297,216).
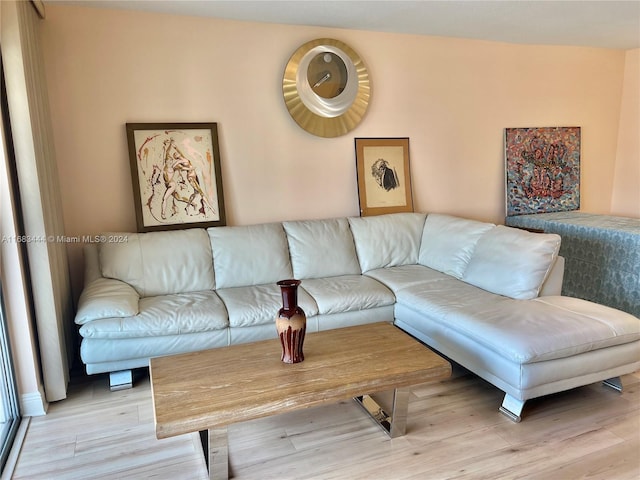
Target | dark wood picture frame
(384,177)
(176,175)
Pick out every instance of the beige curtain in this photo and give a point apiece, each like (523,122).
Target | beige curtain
(39,190)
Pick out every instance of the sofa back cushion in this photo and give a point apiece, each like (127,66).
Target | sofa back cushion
(160,263)
(387,240)
(448,242)
(321,248)
(512,262)
(250,255)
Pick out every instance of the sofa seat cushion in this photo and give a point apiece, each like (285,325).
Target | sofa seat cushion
(406,276)
(164,315)
(542,329)
(621,327)
(259,304)
(443,296)
(348,293)
(321,248)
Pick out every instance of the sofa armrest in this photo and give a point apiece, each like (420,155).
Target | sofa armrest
(106,298)
(553,284)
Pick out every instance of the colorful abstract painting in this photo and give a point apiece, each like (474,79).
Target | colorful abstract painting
(543,169)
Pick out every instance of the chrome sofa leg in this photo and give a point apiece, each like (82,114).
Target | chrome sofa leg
(512,408)
(120,380)
(615,383)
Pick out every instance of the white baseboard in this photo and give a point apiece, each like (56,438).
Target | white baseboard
(33,404)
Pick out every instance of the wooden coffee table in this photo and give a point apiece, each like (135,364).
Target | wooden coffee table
(207,391)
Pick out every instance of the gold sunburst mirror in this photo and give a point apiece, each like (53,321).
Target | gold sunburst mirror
(326,87)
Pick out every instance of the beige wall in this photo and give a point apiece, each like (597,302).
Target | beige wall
(452,97)
(625,199)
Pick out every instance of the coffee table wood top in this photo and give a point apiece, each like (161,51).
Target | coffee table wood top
(215,388)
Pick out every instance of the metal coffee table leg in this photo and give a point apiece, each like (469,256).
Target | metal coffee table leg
(216,452)
(394,424)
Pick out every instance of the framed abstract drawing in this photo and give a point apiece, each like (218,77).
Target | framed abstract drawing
(542,170)
(176,175)
(384,179)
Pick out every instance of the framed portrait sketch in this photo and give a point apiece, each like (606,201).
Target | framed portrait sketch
(384,179)
(175,169)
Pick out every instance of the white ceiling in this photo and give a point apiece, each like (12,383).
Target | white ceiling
(595,23)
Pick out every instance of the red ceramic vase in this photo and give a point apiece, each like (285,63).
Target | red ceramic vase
(291,322)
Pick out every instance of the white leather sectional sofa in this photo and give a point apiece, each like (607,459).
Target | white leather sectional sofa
(486,296)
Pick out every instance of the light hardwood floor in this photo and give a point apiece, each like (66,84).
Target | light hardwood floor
(454,431)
